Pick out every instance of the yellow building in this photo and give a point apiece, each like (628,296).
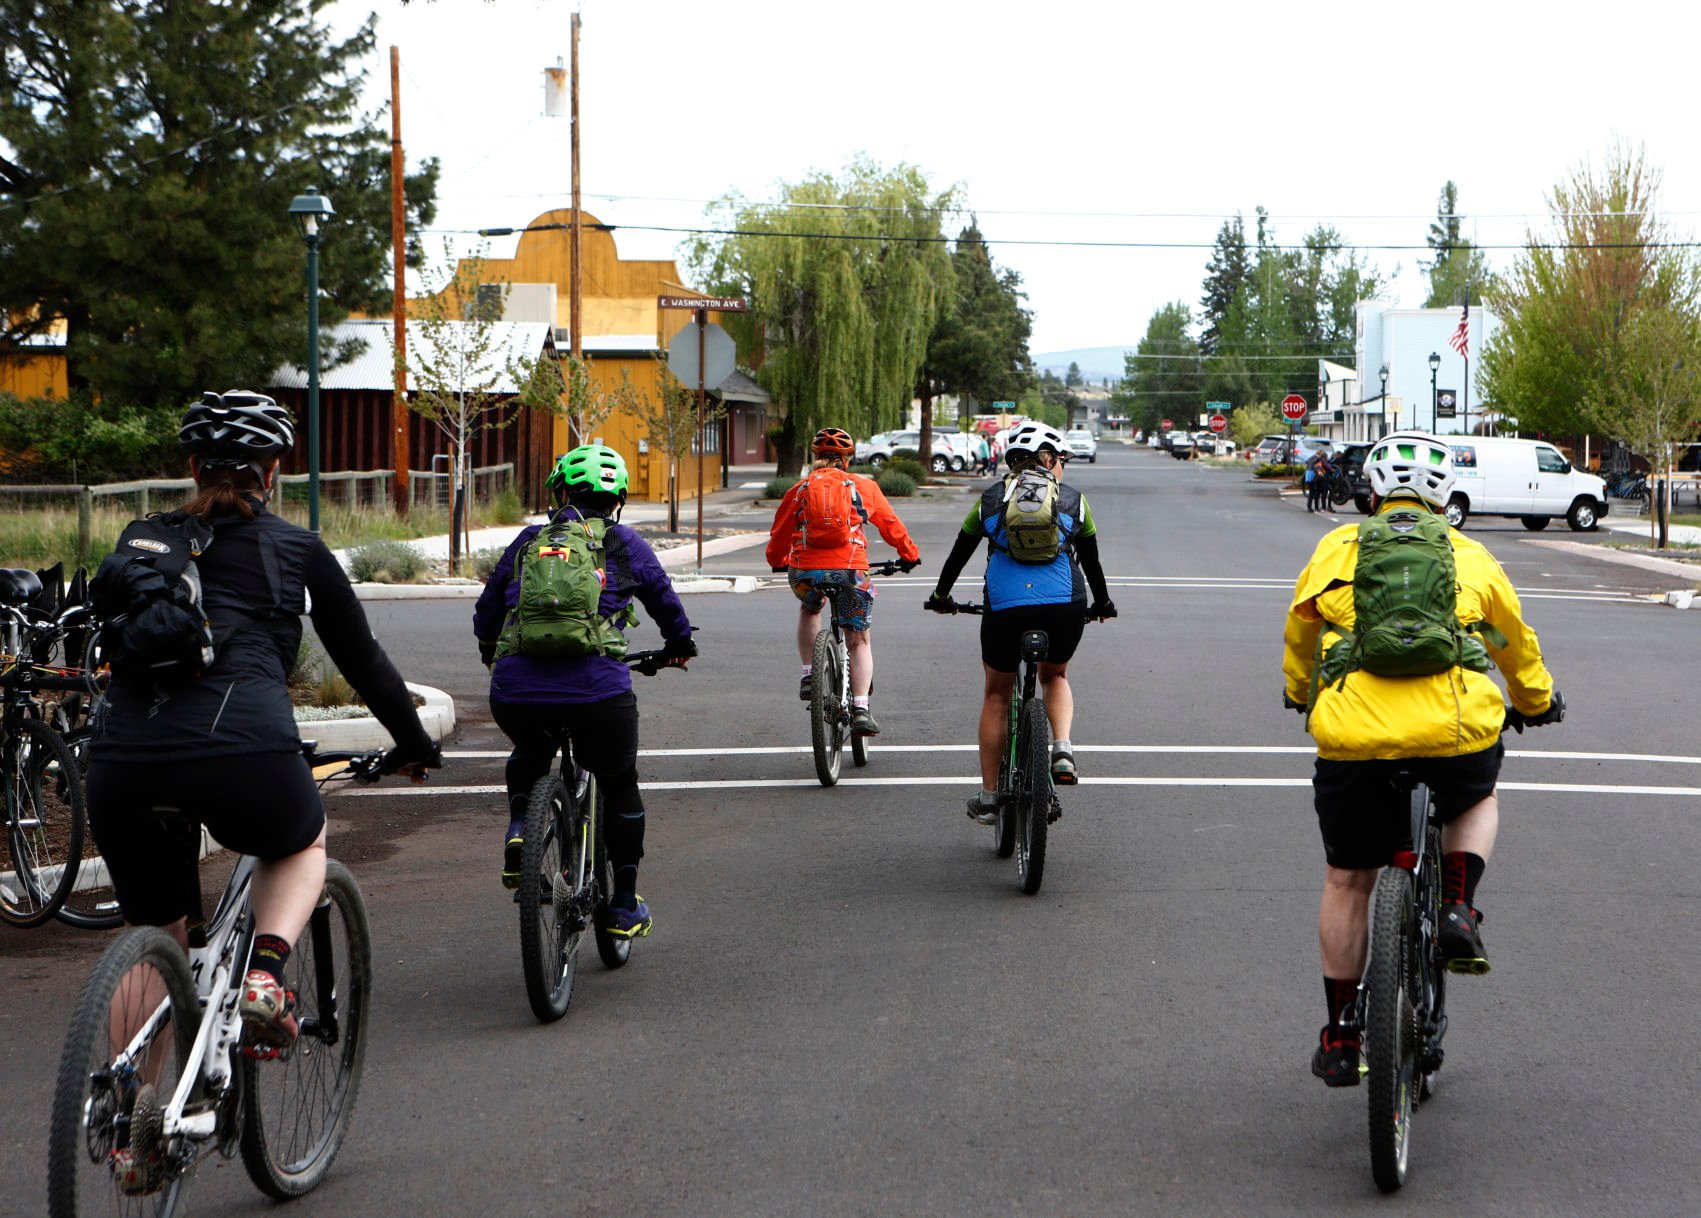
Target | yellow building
(35,368)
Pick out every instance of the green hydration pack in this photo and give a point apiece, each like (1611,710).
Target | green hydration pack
(1032,531)
(1405,606)
(561,576)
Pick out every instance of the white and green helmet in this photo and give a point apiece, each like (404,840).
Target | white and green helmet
(1411,461)
(590,467)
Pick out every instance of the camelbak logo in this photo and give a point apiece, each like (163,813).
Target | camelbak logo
(148,543)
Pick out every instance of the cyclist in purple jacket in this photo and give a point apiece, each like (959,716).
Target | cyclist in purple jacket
(538,702)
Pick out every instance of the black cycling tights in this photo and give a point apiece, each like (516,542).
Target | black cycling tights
(605,742)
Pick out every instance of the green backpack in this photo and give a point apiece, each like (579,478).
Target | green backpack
(561,576)
(1405,606)
(1031,527)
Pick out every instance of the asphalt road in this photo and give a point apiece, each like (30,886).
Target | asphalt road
(848,1008)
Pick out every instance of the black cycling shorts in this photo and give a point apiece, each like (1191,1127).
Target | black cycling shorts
(1365,818)
(1001,633)
(264,804)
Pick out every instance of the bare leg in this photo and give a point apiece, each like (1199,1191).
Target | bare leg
(861,661)
(1474,829)
(1343,920)
(808,626)
(287,889)
(1059,699)
(994,721)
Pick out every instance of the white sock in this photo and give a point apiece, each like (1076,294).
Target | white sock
(1062,746)
(859,701)
(988,798)
(809,670)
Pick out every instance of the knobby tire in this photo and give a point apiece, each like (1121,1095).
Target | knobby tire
(92,1101)
(826,708)
(296,1110)
(1391,1032)
(1034,797)
(91,903)
(1005,832)
(45,819)
(550,858)
(615,950)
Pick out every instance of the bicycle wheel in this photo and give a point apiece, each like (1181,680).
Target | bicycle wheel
(554,878)
(296,1110)
(91,903)
(1033,800)
(615,950)
(123,1057)
(44,829)
(1391,1032)
(1004,833)
(825,708)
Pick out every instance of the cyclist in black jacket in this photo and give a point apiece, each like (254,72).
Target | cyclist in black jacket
(223,747)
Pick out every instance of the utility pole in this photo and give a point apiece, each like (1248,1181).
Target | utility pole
(575,297)
(398,306)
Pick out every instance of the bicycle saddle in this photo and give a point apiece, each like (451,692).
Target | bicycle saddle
(18,587)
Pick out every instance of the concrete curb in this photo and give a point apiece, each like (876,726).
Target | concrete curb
(1663,565)
(437,716)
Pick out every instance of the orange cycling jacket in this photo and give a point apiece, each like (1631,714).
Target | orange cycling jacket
(785,539)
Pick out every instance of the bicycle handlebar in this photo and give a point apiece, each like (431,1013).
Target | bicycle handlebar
(651,662)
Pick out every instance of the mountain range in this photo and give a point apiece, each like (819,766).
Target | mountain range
(1096,363)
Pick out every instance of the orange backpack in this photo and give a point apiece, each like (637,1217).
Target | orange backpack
(829,509)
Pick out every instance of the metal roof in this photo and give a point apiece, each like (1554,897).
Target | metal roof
(372,366)
(740,388)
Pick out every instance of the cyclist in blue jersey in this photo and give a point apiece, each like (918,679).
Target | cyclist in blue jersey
(538,701)
(1029,586)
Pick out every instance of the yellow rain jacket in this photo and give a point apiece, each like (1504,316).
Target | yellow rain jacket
(1446,715)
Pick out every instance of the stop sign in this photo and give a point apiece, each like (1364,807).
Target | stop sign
(1166,424)
(1219,422)
(1293,407)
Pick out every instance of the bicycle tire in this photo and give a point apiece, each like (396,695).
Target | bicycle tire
(615,950)
(45,815)
(1034,796)
(92,1100)
(1391,1031)
(91,903)
(859,750)
(1004,831)
(825,707)
(552,858)
(296,1110)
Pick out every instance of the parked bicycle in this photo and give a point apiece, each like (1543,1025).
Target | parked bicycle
(155,1062)
(1402,1001)
(830,700)
(1027,799)
(565,877)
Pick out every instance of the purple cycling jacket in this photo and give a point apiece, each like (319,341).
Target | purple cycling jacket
(632,571)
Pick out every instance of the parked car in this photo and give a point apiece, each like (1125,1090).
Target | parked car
(1276,448)
(1211,444)
(1179,444)
(1082,444)
(1350,458)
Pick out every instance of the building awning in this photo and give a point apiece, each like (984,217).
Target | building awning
(740,388)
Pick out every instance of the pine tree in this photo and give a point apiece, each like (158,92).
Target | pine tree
(1225,273)
(1458,272)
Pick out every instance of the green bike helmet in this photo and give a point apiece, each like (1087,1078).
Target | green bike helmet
(589,467)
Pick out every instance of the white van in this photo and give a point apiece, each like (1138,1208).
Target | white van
(1529,479)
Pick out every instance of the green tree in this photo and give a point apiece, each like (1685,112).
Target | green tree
(1225,273)
(1163,376)
(148,153)
(1581,338)
(670,422)
(1253,422)
(845,277)
(979,346)
(1458,273)
(1653,397)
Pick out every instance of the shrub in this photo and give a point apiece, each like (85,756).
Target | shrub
(777,487)
(333,689)
(386,562)
(909,467)
(1277,471)
(73,440)
(484,562)
(907,454)
(505,508)
(896,484)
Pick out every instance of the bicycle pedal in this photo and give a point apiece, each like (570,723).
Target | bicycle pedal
(1476,967)
(1056,813)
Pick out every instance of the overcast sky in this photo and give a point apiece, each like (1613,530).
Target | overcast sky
(1065,121)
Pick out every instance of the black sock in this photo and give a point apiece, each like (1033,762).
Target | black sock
(625,887)
(1342,996)
(269,955)
(1460,872)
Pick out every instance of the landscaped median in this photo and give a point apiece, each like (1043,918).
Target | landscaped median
(354,728)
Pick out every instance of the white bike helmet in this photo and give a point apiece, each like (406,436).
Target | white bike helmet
(1411,461)
(1031,437)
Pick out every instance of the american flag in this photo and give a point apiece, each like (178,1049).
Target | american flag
(1461,340)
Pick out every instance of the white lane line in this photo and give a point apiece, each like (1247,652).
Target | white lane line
(749,784)
(1223,749)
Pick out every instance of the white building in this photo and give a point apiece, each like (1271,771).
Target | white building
(1356,403)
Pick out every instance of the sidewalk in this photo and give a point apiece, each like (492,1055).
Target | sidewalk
(1681,534)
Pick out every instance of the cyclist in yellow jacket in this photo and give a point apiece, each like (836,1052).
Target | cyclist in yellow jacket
(1445,729)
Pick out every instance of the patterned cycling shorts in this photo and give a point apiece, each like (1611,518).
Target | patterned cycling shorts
(854,590)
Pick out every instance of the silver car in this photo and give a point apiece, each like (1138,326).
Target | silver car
(1082,444)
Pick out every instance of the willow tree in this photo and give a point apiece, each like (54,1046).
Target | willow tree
(845,276)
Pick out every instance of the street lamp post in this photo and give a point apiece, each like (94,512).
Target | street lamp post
(308,210)
(1434,400)
(1383,373)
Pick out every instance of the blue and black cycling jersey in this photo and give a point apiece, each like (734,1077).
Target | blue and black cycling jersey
(1010,582)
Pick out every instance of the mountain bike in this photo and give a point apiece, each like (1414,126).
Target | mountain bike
(1402,1001)
(565,877)
(155,1062)
(44,821)
(830,701)
(1027,800)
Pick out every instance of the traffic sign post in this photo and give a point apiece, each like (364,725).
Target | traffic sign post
(713,363)
(1219,423)
(1293,410)
(1166,424)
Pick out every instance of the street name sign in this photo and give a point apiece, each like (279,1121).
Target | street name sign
(720,304)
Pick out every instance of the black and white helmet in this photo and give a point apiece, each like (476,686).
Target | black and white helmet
(1029,438)
(236,427)
(1411,461)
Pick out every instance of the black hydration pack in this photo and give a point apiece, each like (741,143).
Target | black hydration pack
(147,594)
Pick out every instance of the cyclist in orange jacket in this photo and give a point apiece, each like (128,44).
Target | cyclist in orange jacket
(821,569)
